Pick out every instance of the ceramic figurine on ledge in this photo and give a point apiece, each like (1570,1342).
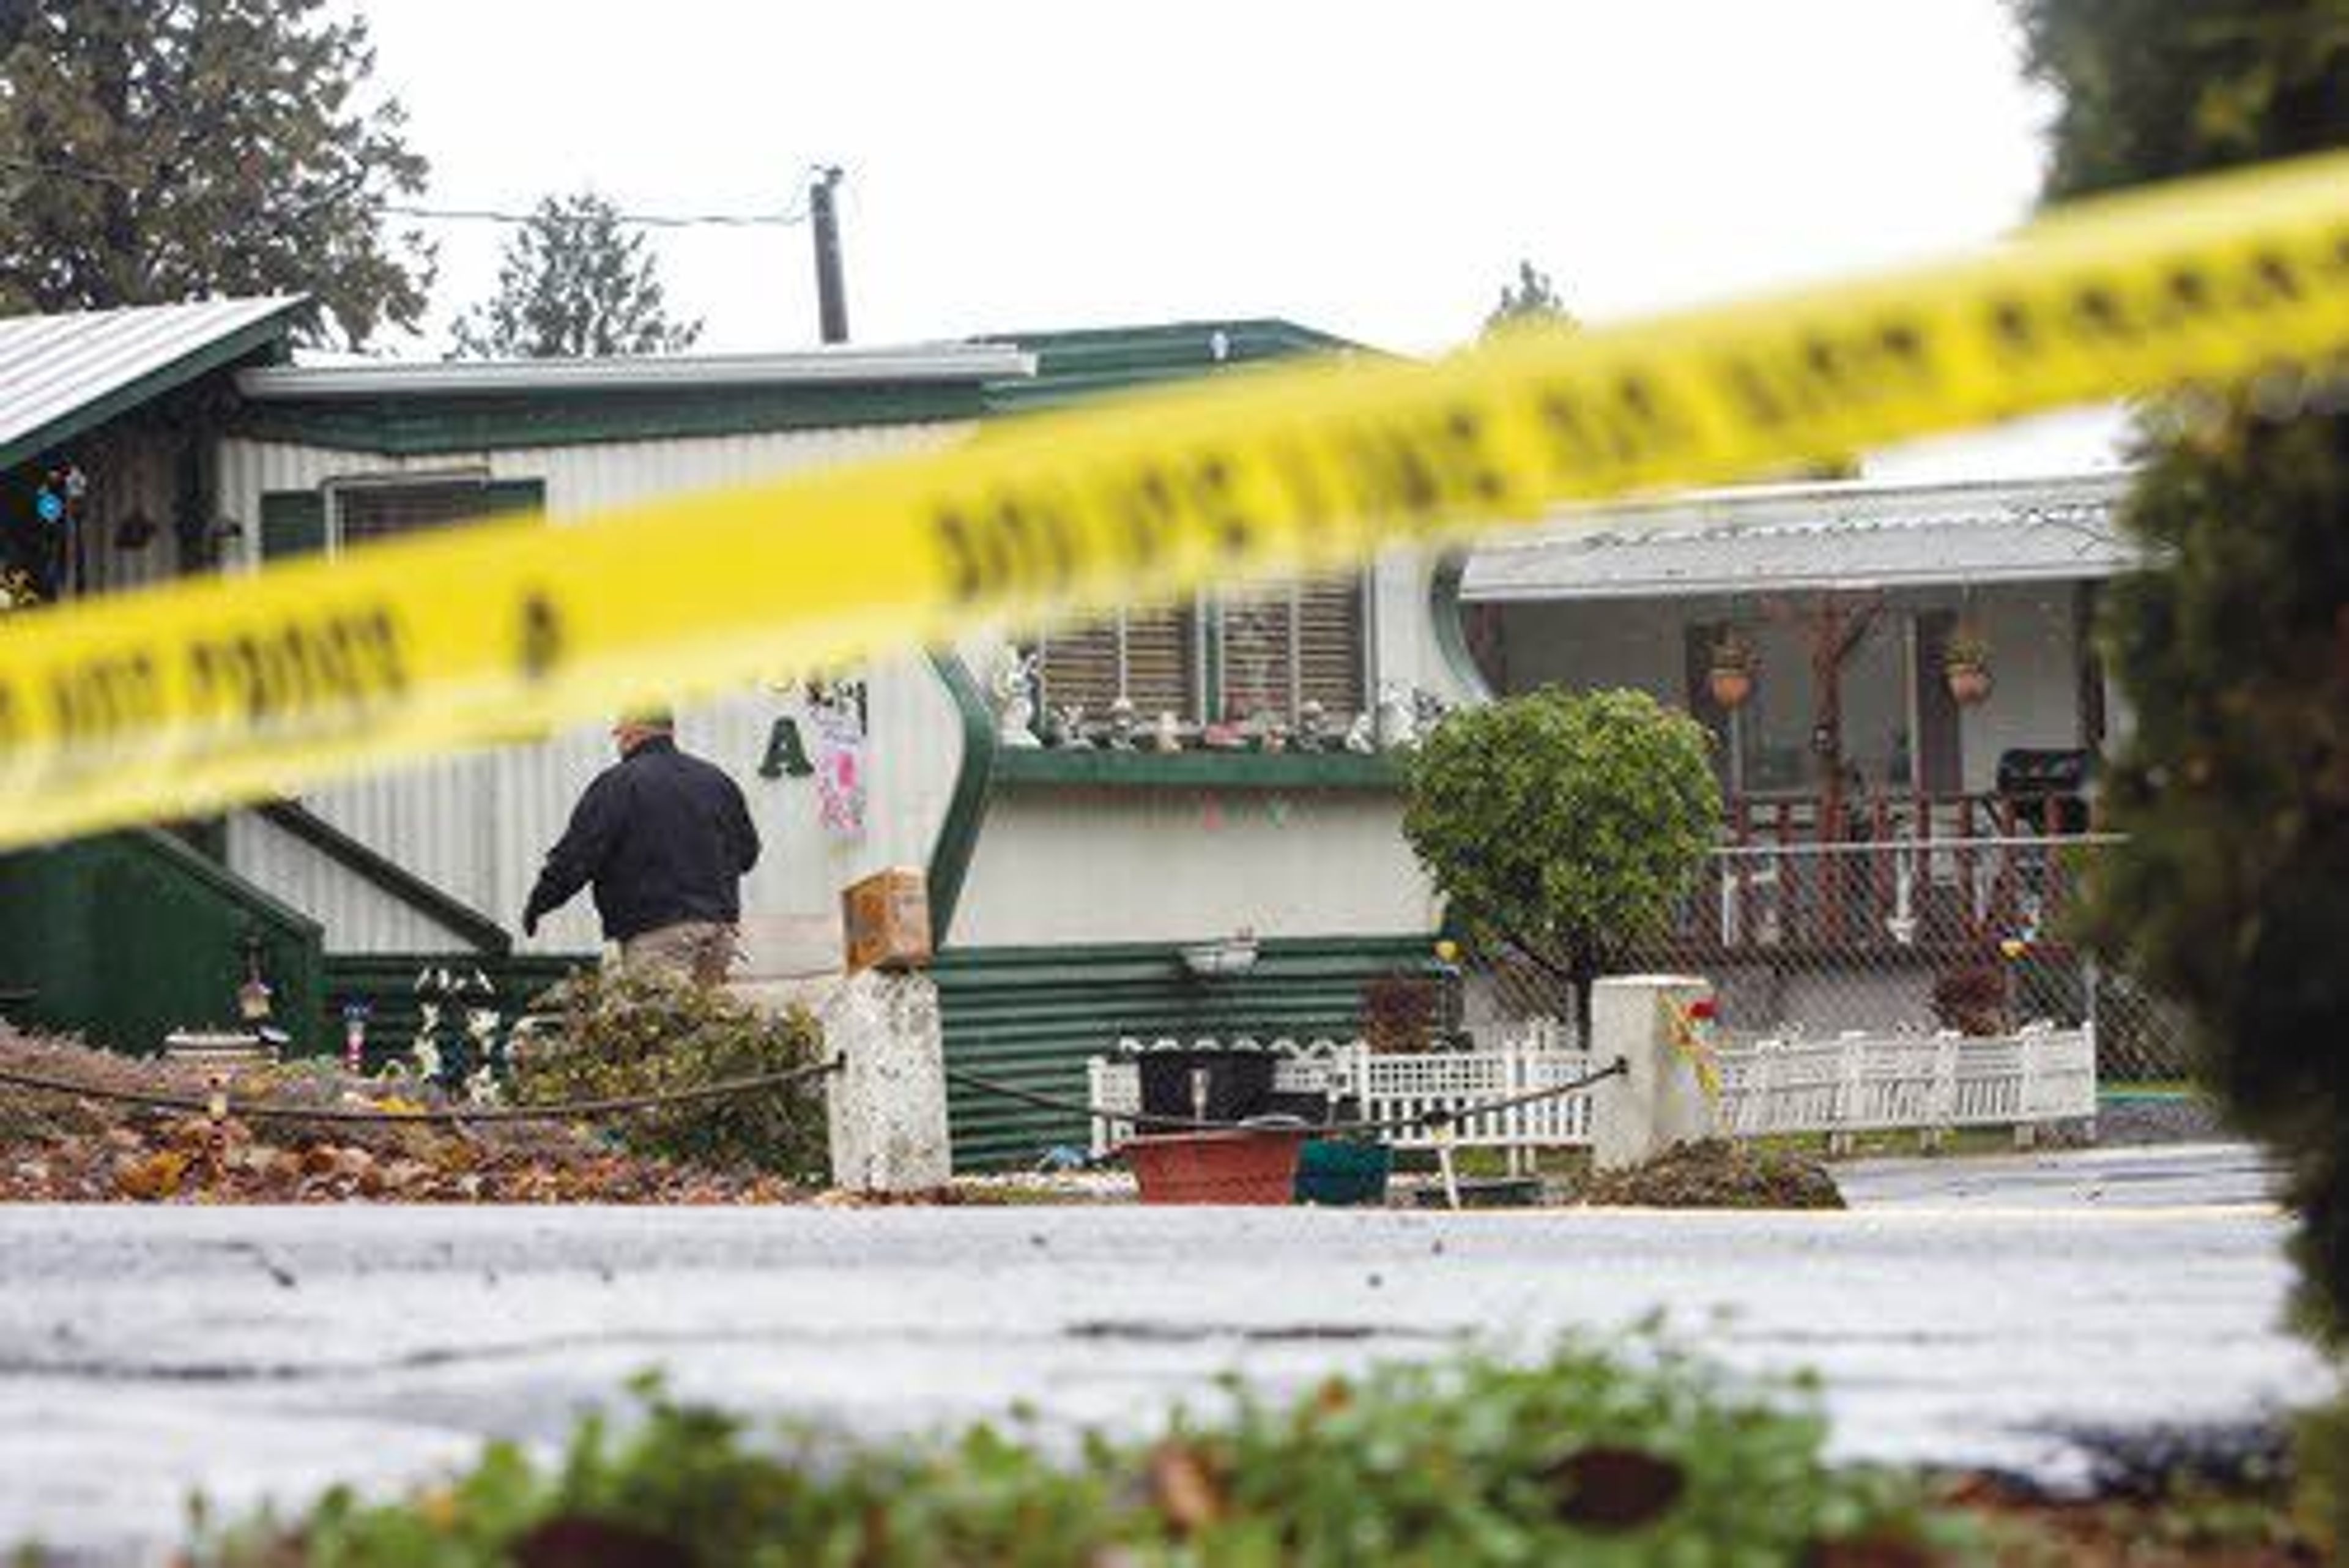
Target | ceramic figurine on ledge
(1065,727)
(1271,734)
(1312,726)
(1166,735)
(1223,738)
(1015,702)
(1120,736)
(1397,727)
(1359,736)
(1428,710)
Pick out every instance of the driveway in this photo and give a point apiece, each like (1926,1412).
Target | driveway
(1968,1312)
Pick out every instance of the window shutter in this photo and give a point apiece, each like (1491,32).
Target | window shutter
(501,497)
(1144,654)
(1259,653)
(1298,643)
(293,523)
(1330,646)
(1079,668)
(1160,654)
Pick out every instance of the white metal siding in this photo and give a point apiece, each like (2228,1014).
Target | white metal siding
(359,916)
(478,826)
(579,480)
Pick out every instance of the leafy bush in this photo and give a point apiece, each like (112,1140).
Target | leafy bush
(2231,896)
(1639,1457)
(626,1036)
(1562,827)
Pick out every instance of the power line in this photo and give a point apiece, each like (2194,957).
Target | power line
(794,215)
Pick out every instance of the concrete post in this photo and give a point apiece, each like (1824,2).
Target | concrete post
(888,1101)
(1660,1100)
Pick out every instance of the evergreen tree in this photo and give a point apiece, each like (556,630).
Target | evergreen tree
(155,150)
(575,282)
(1530,298)
(2232,894)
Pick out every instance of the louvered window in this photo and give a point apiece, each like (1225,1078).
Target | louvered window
(1287,646)
(1146,656)
(365,513)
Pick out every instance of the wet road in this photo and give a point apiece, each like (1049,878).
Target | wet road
(1964,1312)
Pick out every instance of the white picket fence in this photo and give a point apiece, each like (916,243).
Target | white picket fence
(1850,1084)
(1885,1083)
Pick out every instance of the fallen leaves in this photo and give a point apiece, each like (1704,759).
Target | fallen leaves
(87,1150)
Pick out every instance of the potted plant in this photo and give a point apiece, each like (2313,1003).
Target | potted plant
(1965,663)
(1731,674)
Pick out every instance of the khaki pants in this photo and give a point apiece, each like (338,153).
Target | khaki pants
(699,950)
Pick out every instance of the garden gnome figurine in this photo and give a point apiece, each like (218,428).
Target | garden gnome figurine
(1167,736)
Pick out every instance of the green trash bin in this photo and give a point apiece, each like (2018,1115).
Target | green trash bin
(1336,1173)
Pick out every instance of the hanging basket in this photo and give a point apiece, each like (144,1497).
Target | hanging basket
(1969,683)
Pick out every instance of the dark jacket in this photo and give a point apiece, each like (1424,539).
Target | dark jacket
(664,836)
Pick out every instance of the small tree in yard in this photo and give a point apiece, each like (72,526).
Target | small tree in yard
(1564,829)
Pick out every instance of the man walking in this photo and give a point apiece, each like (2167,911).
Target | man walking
(666,839)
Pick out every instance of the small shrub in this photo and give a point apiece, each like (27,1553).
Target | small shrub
(626,1036)
(1636,1454)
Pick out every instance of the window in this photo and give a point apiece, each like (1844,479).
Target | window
(1269,650)
(358,512)
(1287,646)
(1147,656)
(366,512)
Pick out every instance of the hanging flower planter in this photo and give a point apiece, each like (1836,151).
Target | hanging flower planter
(1731,677)
(1965,663)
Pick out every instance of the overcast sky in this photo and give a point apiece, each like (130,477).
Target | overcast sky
(1374,171)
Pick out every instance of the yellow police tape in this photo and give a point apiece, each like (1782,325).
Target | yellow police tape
(200,695)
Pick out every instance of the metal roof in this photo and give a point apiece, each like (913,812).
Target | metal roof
(1813,536)
(61,375)
(956,363)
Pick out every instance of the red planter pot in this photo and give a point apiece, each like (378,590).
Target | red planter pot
(1243,1165)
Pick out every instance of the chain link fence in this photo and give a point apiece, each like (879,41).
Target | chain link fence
(1964,934)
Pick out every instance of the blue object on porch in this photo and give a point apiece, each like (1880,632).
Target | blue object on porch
(1339,1174)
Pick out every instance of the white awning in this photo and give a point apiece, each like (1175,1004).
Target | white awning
(1848,536)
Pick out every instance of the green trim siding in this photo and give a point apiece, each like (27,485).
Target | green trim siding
(1031,1017)
(1451,633)
(1077,365)
(957,840)
(126,937)
(419,425)
(1101,768)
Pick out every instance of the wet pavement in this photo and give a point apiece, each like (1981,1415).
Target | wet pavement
(1966,1311)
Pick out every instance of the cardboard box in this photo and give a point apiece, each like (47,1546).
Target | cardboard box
(887,917)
